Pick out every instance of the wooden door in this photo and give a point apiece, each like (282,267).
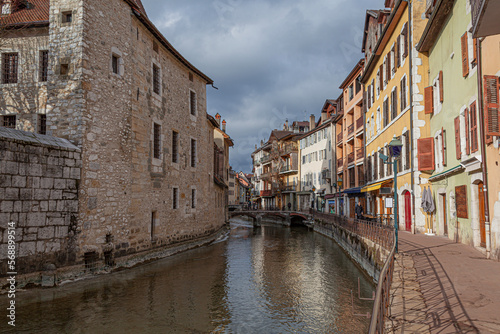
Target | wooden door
(482,217)
(352,206)
(408,211)
(445,217)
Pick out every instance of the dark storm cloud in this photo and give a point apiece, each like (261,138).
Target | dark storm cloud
(271,60)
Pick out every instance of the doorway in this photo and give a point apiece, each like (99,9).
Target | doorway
(407,211)
(482,218)
(445,217)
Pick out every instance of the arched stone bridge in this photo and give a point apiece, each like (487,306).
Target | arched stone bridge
(285,217)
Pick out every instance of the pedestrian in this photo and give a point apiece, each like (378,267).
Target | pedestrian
(289,206)
(359,211)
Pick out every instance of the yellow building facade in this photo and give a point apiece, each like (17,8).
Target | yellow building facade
(394,108)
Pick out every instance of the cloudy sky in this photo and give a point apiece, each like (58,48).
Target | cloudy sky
(272,60)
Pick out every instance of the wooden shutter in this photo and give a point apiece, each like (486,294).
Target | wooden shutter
(491,105)
(429,99)
(369,93)
(405,34)
(474,54)
(365,102)
(381,77)
(467,132)
(458,147)
(425,154)
(441,91)
(465,55)
(389,65)
(473,128)
(397,52)
(461,201)
(443,145)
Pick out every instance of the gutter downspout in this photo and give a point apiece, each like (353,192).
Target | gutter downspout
(487,226)
(412,164)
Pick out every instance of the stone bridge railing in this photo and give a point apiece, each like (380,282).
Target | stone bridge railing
(286,216)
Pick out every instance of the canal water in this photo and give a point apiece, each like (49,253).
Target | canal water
(269,279)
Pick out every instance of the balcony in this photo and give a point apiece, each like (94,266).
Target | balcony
(288,169)
(266,159)
(289,148)
(340,136)
(350,129)
(360,153)
(340,163)
(359,123)
(326,175)
(265,176)
(485,18)
(266,193)
(289,189)
(350,158)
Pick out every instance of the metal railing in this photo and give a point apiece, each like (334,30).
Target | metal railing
(359,123)
(383,295)
(289,148)
(360,153)
(340,162)
(373,230)
(340,136)
(350,129)
(350,157)
(288,168)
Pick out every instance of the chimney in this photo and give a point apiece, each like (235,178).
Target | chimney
(217,118)
(287,127)
(255,146)
(312,122)
(324,116)
(261,143)
(224,125)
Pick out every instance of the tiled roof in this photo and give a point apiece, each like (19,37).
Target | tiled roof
(36,12)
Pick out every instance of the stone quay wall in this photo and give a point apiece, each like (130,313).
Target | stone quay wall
(39,179)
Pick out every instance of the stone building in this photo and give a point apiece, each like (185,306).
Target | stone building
(101,75)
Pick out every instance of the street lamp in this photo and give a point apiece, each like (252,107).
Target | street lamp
(395,151)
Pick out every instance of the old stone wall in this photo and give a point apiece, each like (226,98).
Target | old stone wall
(39,177)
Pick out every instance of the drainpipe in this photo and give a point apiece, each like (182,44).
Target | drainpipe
(412,164)
(478,42)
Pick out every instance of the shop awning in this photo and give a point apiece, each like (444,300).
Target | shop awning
(446,173)
(328,196)
(356,190)
(374,186)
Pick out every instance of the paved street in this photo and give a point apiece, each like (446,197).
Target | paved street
(443,287)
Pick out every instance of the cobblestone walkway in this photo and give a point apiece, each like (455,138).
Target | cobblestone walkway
(443,287)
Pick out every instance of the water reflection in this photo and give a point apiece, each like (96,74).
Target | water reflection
(268,280)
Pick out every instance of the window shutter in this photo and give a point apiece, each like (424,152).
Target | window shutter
(467,132)
(405,34)
(457,138)
(441,91)
(396,54)
(369,102)
(429,100)
(425,154)
(473,127)
(491,105)
(365,102)
(443,145)
(474,55)
(465,55)
(389,65)
(381,77)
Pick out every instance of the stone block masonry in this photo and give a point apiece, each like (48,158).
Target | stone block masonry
(39,198)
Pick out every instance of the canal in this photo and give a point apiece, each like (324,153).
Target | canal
(269,279)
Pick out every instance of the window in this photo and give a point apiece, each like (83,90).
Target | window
(67,17)
(6,9)
(193,152)
(386,112)
(192,102)
(193,198)
(403,93)
(44,65)
(175,198)
(42,124)
(9,67)
(156,140)
(425,147)
(175,147)
(64,69)
(351,92)
(190,76)
(156,79)
(114,63)
(394,103)
(155,47)
(153,224)
(407,149)
(358,84)
(9,121)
